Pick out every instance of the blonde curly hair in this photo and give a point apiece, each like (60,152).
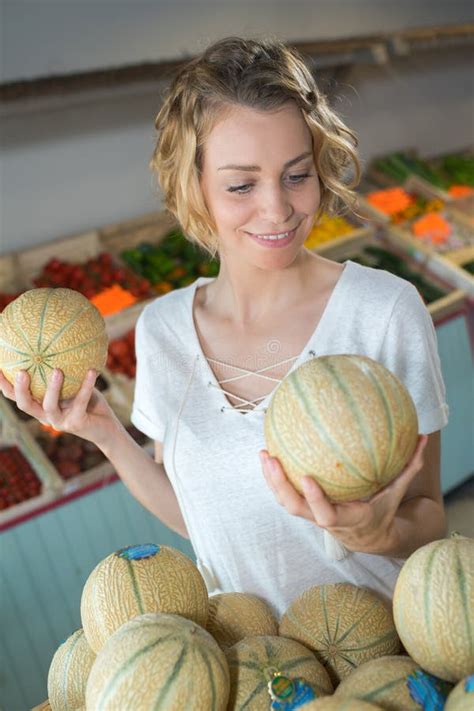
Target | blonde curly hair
(260,74)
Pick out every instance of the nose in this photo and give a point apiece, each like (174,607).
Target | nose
(275,206)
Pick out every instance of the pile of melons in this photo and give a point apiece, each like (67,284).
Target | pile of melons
(151,638)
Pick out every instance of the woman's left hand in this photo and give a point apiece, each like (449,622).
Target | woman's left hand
(362,526)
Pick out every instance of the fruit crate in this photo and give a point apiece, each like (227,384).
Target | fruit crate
(14,434)
(402,231)
(124,382)
(19,270)
(63,462)
(360,229)
(453,300)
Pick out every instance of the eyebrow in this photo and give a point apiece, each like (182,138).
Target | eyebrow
(252,168)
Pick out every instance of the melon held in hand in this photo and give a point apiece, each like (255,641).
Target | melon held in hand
(43,329)
(344,420)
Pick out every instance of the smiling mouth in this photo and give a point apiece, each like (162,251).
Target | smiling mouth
(273,236)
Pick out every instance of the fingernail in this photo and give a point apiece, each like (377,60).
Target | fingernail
(273,465)
(20,376)
(91,374)
(56,375)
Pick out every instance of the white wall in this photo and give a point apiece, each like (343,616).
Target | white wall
(69,167)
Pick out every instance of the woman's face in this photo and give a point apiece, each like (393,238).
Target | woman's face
(259,180)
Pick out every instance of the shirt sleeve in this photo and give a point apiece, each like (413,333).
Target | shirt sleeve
(410,351)
(146,413)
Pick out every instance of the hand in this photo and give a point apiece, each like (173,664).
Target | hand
(363,526)
(87,415)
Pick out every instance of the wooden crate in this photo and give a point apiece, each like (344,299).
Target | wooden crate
(152,228)
(24,434)
(29,262)
(361,230)
(439,308)
(14,431)
(124,385)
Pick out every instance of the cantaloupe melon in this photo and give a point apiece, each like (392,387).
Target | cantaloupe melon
(68,673)
(159,661)
(461,697)
(344,420)
(332,703)
(140,579)
(433,607)
(43,329)
(396,683)
(343,624)
(254,661)
(233,616)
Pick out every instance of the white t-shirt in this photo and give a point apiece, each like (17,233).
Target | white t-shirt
(243,539)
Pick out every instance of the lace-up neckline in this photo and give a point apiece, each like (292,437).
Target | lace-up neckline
(256,405)
(245,372)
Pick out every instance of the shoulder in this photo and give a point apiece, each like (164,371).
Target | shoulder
(376,283)
(382,294)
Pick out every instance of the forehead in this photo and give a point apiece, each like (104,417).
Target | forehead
(244,135)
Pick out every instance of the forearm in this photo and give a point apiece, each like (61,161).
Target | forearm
(144,478)
(418,521)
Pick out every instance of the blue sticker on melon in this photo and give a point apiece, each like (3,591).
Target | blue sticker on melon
(289,694)
(469,685)
(145,550)
(428,691)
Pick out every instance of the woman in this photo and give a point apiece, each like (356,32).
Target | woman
(248,155)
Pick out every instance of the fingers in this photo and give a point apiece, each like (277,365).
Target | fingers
(51,397)
(285,493)
(81,400)
(23,397)
(6,387)
(323,511)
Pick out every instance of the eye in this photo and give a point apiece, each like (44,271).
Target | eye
(243,189)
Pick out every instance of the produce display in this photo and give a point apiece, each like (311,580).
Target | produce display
(427,220)
(173,263)
(454,173)
(18,480)
(380,258)
(326,229)
(121,354)
(159,661)
(337,419)
(139,579)
(92,276)
(69,672)
(458,168)
(394,682)
(73,455)
(52,328)
(343,625)
(254,661)
(433,607)
(151,657)
(70,454)
(233,616)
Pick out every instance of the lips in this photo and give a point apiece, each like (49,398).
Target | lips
(276,243)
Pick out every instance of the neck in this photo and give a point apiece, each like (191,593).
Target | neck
(246,296)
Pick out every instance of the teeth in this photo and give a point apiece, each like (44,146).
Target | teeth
(274,237)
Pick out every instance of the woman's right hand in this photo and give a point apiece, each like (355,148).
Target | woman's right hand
(87,415)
